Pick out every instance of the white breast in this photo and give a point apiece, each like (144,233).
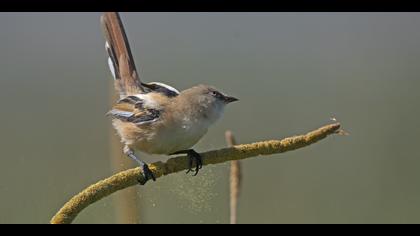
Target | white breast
(184,136)
(180,132)
(190,129)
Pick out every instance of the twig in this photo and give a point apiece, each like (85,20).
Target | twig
(131,177)
(235,180)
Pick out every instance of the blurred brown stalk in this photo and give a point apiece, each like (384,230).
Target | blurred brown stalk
(126,202)
(235,180)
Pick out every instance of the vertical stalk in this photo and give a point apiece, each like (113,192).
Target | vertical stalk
(235,180)
(127,202)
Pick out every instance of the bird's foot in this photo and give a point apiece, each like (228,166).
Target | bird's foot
(193,156)
(147,175)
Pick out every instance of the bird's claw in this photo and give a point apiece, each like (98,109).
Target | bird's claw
(194,156)
(147,174)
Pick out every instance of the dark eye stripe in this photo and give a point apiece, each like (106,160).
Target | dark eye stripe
(217,94)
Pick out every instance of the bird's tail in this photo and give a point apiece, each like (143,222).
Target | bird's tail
(121,63)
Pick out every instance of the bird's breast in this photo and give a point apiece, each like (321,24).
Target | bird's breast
(170,136)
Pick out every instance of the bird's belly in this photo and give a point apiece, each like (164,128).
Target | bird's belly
(167,141)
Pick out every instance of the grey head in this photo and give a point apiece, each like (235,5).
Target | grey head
(206,101)
(205,94)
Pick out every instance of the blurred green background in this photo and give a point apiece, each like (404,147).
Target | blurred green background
(291,71)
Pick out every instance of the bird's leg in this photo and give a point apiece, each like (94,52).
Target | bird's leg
(192,156)
(147,173)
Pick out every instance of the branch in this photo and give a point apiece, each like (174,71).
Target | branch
(131,177)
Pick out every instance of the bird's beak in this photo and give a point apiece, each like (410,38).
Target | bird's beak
(230,99)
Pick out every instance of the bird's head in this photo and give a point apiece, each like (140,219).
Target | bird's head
(207,101)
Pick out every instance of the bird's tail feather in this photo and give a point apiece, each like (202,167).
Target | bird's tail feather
(121,63)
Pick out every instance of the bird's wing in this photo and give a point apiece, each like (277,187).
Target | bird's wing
(121,62)
(132,109)
(162,88)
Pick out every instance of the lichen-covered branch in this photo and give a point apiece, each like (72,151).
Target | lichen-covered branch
(131,177)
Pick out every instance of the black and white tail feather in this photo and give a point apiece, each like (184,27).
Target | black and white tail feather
(127,81)
(121,62)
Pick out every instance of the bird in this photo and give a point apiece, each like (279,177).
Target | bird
(156,118)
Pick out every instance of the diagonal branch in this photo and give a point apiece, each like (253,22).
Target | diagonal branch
(131,177)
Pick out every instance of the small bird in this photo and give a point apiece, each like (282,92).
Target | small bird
(156,118)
